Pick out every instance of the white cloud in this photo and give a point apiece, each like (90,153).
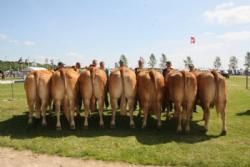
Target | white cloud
(235,36)
(28,43)
(3,36)
(224,5)
(72,57)
(15,41)
(223,45)
(228,13)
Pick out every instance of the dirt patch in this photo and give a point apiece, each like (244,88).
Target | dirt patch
(13,158)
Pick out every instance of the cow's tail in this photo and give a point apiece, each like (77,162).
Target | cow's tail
(37,98)
(65,103)
(155,97)
(185,83)
(123,99)
(64,79)
(92,78)
(217,91)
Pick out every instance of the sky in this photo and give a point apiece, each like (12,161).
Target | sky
(82,30)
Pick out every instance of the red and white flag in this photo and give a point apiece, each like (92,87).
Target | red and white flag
(192,40)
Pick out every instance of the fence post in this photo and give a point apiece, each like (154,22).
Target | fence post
(247,78)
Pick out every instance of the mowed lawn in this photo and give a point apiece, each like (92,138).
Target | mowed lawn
(137,146)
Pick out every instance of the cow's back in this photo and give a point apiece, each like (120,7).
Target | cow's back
(30,88)
(57,86)
(99,82)
(190,87)
(206,88)
(43,78)
(150,86)
(174,86)
(117,82)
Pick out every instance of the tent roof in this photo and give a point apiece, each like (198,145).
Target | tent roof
(33,68)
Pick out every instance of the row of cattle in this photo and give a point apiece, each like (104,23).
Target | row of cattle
(68,87)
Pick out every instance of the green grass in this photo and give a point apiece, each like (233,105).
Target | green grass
(137,146)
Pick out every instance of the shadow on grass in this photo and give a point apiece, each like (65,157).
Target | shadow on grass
(17,128)
(244,113)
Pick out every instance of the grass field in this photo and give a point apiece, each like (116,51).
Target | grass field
(137,146)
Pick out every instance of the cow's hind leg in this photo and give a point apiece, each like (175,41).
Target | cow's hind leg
(131,109)
(31,111)
(221,108)
(189,112)
(113,106)
(101,108)
(86,113)
(179,115)
(43,110)
(145,112)
(72,113)
(206,115)
(158,114)
(58,113)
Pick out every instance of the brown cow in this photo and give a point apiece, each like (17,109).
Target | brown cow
(92,83)
(181,89)
(212,92)
(150,88)
(122,86)
(64,90)
(37,88)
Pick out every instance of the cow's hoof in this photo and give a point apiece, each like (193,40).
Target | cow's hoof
(143,127)
(112,126)
(186,132)
(44,125)
(72,127)
(85,127)
(58,128)
(102,126)
(204,130)
(132,126)
(223,133)
(178,132)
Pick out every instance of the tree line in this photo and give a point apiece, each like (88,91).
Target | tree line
(19,65)
(152,62)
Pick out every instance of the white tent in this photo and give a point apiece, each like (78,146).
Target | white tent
(27,70)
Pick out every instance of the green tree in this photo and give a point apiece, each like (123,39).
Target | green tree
(247,60)
(163,60)
(116,65)
(124,59)
(233,63)
(152,61)
(188,61)
(217,62)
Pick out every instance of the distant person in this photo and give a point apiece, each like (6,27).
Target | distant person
(60,65)
(168,68)
(78,65)
(191,67)
(121,63)
(140,66)
(2,74)
(102,67)
(94,63)
(137,70)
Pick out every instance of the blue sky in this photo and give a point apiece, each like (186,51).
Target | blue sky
(78,30)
